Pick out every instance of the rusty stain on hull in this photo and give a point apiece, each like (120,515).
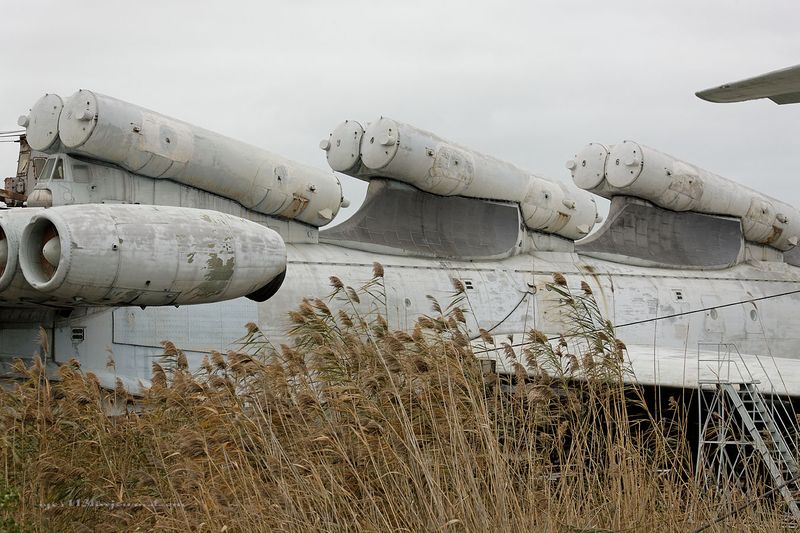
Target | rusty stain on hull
(774,235)
(296,207)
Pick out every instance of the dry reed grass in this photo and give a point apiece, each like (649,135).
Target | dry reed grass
(356,427)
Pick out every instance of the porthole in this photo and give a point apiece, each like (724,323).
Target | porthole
(753,315)
(713,314)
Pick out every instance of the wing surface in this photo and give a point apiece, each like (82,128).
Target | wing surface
(780,86)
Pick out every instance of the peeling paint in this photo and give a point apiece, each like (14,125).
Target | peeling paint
(218,273)
(130,296)
(219,270)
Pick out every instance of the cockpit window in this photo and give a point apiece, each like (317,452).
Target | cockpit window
(53,169)
(58,173)
(38,164)
(47,170)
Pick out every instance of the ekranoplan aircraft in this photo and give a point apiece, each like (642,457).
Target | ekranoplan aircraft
(141,228)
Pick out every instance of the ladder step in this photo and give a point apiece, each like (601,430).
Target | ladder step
(759,427)
(768,440)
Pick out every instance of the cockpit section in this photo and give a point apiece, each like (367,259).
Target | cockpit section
(62,181)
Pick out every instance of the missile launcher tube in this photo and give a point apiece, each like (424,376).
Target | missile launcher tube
(430,163)
(552,207)
(41,124)
(148,143)
(343,150)
(147,255)
(588,167)
(392,149)
(631,169)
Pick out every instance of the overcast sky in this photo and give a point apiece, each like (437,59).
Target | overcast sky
(525,81)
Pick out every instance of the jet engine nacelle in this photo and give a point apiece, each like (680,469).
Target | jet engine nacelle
(150,144)
(631,169)
(148,255)
(392,149)
(13,286)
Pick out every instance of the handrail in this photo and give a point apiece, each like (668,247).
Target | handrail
(728,355)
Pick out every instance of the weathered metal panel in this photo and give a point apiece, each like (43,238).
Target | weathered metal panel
(651,236)
(200,328)
(398,219)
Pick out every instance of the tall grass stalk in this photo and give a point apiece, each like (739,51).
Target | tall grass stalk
(357,427)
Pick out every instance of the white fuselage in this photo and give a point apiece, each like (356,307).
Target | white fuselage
(507,297)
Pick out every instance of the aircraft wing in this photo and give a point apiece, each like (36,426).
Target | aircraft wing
(678,368)
(691,368)
(780,86)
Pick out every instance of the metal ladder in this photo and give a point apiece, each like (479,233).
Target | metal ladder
(775,452)
(740,424)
